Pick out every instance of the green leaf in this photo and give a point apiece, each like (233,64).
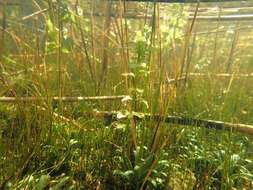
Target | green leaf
(73,142)
(50,25)
(138,114)
(126,99)
(121,115)
(142,170)
(65,50)
(120,126)
(60,184)
(43,182)
(128,74)
(128,174)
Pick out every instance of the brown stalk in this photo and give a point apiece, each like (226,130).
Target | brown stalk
(126,37)
(3,29)
(93,37)
(119,30)
(126,54)
(85,48)
(156,136)
(157,133)
(34,14)
(107,26)
(187,40)
(59,43)
(148,174)
(189,57)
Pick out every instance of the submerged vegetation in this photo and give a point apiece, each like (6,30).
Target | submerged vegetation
(131,60)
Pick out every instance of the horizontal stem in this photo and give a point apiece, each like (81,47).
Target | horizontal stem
(183,1)
(229,17)
(220,75)
(63,99)
(210,124)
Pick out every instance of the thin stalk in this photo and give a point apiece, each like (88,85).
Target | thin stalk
(189,57)
(152,37)
(85,48)
(92,26)
(37,45)
(126,36)
(35,14)
(150,53)
(187,40)
(233,48)
(157,102)
(121,37)
(214,64)
(126,52)
(3,29)
(122,31)
(59,53)
(107,27)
